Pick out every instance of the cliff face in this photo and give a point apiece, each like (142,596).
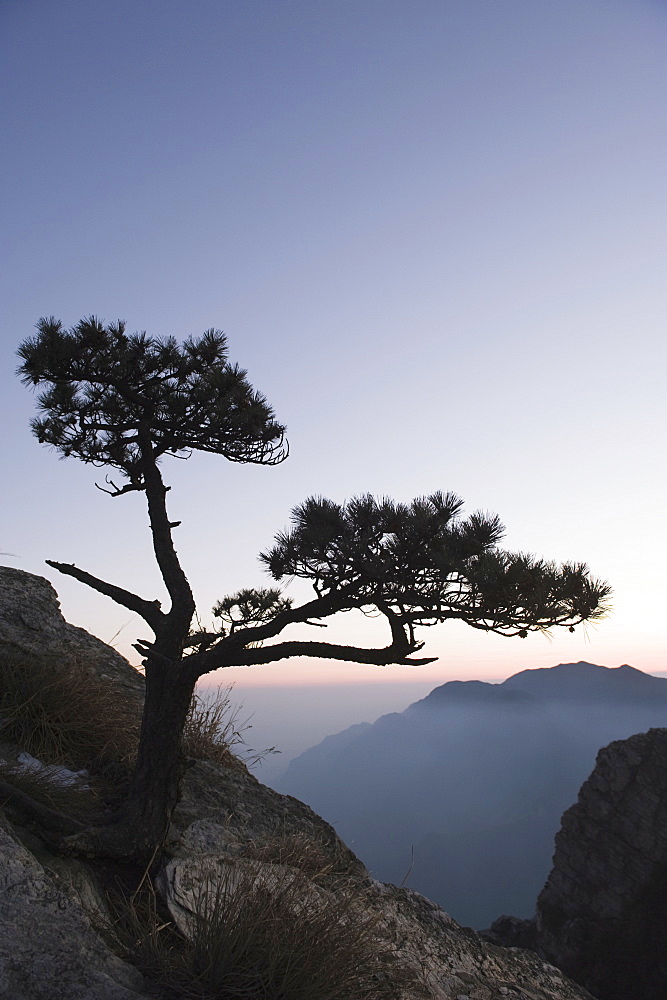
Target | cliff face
(602,915)
(55,925)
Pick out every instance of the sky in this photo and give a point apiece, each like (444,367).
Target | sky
(434,233)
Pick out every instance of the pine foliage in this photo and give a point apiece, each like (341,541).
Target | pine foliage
(421,563)
(105,385)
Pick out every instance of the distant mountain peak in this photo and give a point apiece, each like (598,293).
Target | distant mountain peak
(581,681)
(457,693)
(584,681)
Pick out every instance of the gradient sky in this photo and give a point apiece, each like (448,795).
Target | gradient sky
(434,232)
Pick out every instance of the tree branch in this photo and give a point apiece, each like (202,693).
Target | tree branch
(508,624)
(398,637)
(118,491)
(321,607)
(149,610)
(324,650)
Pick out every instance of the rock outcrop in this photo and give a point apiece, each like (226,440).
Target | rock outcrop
(31,623)
(221,811)
(51,909)
(602,915)
(48,947)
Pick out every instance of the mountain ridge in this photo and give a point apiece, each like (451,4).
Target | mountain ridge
(561,682)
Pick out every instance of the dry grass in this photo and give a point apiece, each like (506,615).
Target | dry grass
(327,865)
(46,786)
(62,714)
(267,936)
(214,731)
(269,940)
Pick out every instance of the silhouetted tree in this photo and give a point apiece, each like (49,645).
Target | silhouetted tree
(124,402)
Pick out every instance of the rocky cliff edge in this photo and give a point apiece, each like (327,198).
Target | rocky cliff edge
(57,930)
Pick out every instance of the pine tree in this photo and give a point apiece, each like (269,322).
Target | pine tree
(125,402)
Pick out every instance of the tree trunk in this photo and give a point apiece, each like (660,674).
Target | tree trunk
(139,826)
(160,764)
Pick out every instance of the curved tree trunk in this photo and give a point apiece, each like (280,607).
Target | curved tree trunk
(141,824)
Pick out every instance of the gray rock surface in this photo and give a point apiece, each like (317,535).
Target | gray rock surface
(48,948)
(31,622)
(222,810)
(602,915)
(450,962)
(458,962)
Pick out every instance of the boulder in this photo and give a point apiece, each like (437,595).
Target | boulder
(457,963)
(222,810)
(48,947)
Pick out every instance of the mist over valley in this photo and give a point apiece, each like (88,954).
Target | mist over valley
(461,794)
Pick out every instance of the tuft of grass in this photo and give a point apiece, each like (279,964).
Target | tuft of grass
(268,939)
(328,865)
(214,731)
(266,932)
(61,713)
